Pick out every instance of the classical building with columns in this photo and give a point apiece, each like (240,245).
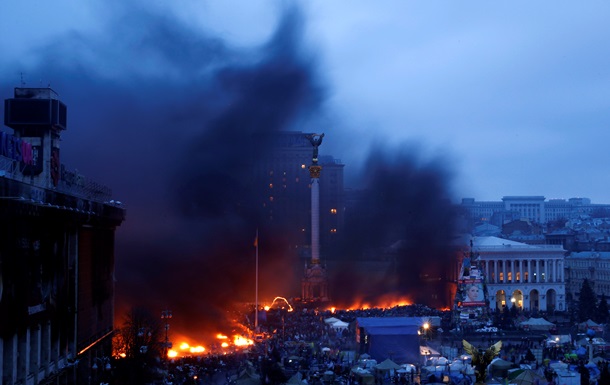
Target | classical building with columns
(529,276)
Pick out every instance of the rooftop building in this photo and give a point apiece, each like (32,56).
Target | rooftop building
(56,250)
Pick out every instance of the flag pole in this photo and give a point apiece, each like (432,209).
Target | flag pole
(256,286)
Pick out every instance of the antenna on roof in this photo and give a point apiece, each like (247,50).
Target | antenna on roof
(22,81)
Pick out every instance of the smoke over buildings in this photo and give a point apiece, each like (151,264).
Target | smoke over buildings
(174,121)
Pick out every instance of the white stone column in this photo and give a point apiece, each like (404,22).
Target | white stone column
(487,271)
(496,271)
(315,221)
(521,280)
(529,270)
(538,271)
(13,363)
(504,262)
(1,357)
(546,270)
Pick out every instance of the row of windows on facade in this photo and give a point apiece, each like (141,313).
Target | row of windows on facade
(509,277)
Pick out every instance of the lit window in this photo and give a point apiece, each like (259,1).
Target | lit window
(333,230)
(271,199)
(270,185)
(333,211)
(302,166)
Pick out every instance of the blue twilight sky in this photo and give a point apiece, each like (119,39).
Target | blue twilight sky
(451,98)
(515,96)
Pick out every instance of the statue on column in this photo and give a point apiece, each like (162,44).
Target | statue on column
(316,141)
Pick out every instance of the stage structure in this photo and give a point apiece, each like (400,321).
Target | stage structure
(314,285)
(471,306)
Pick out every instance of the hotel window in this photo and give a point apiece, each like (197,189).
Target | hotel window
(333,211)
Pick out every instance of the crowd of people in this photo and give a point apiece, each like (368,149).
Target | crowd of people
(301,346)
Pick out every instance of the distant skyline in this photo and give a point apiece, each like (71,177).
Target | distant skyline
(514,97)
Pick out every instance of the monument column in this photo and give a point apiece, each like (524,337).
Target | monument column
(315,281)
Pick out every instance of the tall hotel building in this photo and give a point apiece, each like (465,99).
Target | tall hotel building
(56,251)
(284,192)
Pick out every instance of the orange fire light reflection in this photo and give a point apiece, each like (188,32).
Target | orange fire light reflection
(385,302)
(185,349)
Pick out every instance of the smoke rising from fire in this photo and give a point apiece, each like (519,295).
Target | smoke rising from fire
(166,115)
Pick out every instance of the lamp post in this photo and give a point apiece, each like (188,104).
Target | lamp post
(426,328)
(590,335)
(166,315)
(105,367)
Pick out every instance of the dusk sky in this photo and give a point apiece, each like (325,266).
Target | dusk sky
(515,95)
(481,99)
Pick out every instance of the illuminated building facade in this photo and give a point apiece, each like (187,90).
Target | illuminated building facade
(56,251)
(530,277)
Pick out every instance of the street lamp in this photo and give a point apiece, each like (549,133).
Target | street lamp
(426,327)
(105,365)
(166,315)
(590,336)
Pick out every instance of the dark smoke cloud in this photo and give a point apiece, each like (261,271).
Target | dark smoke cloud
(168,116)
(404,218)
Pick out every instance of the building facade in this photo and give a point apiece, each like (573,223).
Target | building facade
(591,265)
(283,192)
(56,251)
(534,208)
(530,277)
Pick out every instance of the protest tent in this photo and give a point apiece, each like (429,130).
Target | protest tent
(339,325)
(387,365)
(537,324)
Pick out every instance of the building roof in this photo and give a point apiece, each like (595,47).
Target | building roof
(589,255)
(496,244)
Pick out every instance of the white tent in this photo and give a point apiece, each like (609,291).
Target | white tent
(331,320)
(537,324)
(339,325)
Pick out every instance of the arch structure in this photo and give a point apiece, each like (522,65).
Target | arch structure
(530,277)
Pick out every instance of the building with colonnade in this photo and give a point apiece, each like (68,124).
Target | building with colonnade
(529,276)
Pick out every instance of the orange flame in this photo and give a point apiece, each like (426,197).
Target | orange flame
(242,341)
(387,301)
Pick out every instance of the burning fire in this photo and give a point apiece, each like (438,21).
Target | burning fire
(185,349)
(386,302)
(281,299)
(242,341)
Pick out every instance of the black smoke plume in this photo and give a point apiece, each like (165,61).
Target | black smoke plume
(174,121)
(402,223)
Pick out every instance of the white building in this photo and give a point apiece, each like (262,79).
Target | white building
(534,208)
(591,265)
(529,276)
